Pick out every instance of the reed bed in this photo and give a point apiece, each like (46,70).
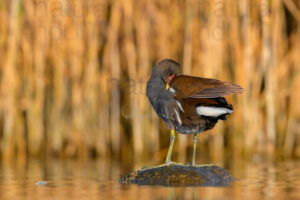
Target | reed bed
(73,75)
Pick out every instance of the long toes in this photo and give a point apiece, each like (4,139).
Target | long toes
(171,163)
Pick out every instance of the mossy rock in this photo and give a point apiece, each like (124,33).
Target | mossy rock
(180,175)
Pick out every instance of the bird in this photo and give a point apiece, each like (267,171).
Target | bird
(187,104)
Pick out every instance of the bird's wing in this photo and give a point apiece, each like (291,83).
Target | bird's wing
(196,87)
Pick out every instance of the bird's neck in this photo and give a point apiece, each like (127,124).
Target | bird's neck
(155,86)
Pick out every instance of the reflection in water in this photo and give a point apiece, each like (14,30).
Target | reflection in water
(99,180)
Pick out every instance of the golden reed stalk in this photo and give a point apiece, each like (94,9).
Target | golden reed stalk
(73,75)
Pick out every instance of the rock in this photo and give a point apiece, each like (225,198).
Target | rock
(180,175)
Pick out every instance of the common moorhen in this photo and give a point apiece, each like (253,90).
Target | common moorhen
(187,104)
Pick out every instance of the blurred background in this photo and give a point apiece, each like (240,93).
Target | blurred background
(73,76)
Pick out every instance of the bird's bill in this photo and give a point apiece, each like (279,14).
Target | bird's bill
(167,86)
(168,81)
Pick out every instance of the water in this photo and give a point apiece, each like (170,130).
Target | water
(98,179)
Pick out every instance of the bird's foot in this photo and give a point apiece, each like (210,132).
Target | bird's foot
(202,165)
(170,163)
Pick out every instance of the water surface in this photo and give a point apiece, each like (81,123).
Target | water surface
(98,179)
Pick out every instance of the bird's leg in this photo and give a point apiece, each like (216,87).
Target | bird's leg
(194,153)
(194,148)
(168,159)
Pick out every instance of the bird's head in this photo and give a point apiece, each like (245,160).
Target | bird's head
(167,69)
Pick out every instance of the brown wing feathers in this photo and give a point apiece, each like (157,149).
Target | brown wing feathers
(218,91)
(203,88)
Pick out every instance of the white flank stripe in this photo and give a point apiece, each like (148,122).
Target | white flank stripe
(172,90)
(179,105)
(212,111)
(178,117)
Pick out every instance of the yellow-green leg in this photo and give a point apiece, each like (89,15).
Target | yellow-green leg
(169,155)
(194,148)
(194,153)
(172,138)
